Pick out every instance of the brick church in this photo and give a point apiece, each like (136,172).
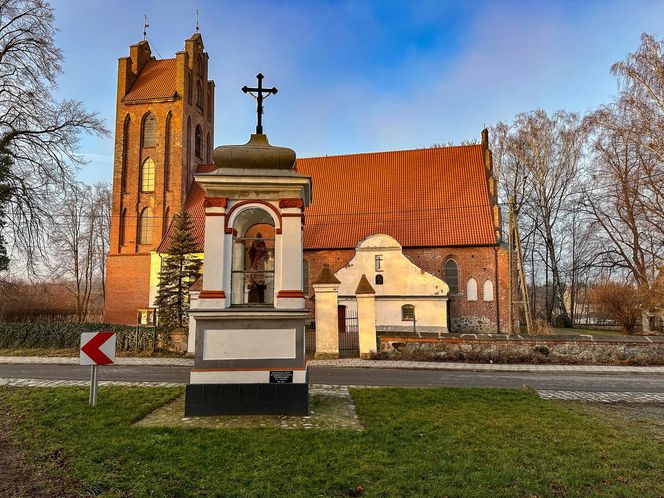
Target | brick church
(438,203)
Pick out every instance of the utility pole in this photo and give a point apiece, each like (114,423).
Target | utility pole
(515,243)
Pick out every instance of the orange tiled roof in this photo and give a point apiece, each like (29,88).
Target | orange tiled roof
(157,80)
(434,197)
(424,197)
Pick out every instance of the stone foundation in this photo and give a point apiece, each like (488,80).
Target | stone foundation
(473,324)
(570,350)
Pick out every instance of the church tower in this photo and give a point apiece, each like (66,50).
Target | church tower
(164,129)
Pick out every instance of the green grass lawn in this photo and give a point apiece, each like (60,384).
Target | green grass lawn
(417,442)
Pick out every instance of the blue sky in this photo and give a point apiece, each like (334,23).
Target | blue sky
(361,76)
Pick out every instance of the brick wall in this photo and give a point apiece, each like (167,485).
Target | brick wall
(127,287)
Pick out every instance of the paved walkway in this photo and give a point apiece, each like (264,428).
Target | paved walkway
(14,382)
(74,360)
(603,397)
(358,363)
(596,397)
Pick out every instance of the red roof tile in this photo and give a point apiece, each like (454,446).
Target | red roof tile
(157,80)
(424,197)
(435,197)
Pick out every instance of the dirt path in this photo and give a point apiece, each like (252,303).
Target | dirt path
(20,477)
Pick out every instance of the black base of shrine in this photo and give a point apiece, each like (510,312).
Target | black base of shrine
(246,399)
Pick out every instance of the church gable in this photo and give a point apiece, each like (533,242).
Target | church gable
(380,258)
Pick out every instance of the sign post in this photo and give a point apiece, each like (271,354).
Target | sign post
(97,348)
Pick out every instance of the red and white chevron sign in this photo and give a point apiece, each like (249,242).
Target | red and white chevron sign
(97,348)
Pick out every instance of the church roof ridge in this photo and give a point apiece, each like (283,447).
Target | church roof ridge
(418,149)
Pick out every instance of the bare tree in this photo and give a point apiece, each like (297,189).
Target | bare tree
(102,197)
(72,240)
(538,158)
(38,134)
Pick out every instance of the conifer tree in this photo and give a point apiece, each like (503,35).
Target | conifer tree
(179,270)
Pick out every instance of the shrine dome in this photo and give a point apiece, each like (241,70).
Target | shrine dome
(255,154)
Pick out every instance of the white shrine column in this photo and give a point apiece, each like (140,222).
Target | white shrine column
(214,294)
(326,289)
(290,294)
(366,317)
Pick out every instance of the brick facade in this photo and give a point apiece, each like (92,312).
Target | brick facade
(168,89)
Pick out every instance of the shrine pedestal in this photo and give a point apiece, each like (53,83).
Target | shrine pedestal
(248,361)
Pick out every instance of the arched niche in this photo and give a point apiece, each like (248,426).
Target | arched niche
(252,268)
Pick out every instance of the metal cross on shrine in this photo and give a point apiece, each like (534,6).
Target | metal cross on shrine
(259,100)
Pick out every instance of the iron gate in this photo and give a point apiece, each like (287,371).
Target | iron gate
(349,338)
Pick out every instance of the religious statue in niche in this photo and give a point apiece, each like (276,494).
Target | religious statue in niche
(258,263)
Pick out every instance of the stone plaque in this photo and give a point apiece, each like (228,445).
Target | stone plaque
(281,376)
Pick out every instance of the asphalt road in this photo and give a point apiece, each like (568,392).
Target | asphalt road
(369,377)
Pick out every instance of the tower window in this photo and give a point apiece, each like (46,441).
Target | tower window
(123,225)
(167,154)
(145,226)
(379,280)
(147,176)
(452,276)
(125,152)
(149,130)
(197,141)
(199,95)
(408,312)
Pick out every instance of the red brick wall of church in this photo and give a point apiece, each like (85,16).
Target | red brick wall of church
(476,262)
(127,287)
(480,264)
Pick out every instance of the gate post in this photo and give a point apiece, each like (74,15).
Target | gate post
(326,288)
(366,317)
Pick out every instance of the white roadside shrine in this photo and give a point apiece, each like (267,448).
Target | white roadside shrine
(249,318)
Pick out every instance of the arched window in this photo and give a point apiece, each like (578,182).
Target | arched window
(188,148)
(123,226)
(305,277)
(488,290)
(408,312)
(471,289)
(125,152)
(379,280)
(147,176)
(452,276)
(145,226)
(208,149)
(189,92)
(199,65)
(199,95)
(167,153)
(197,141)
(253,258)
(164,226)
(149,133)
